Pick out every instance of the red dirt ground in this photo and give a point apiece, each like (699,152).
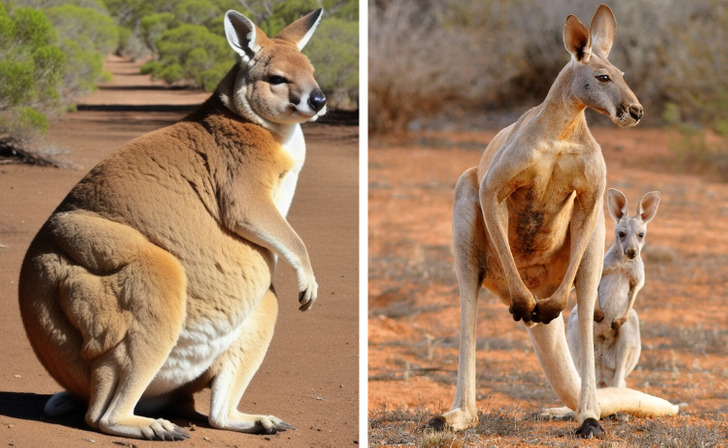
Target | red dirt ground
(414,308)
(310,375)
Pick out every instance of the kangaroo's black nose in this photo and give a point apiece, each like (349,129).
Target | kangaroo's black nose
(635,111)
(317,100)
(630,253)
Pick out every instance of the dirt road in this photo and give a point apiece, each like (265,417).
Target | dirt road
(310,376)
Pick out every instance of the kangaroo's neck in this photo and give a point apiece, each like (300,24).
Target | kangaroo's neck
(232,132)
(561,113)
(233,97)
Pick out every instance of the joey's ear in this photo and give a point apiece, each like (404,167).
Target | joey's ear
(242,35)
(576,39)
(300,31)
(648,206)
(602,30)
(616,204)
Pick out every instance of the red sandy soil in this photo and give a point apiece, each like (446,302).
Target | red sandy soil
(414,306)
(310,375)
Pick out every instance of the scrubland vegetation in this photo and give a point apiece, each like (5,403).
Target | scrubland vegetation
(438,59)
(52,51)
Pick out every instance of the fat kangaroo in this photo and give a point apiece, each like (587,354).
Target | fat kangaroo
(152,279)
(528,225)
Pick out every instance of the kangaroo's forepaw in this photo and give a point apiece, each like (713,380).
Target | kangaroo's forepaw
(545,311)
(522,311)
(589,429)
(308,295)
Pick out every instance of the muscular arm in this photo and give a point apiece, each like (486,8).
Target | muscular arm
(501,180)
(248,210)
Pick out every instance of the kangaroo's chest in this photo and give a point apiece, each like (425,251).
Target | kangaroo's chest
(295,148)
(541,208)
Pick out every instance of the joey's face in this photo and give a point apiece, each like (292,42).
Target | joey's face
(600,85)
(629,234)
(280,86)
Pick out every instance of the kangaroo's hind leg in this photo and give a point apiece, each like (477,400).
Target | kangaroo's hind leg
(586,283)
(232,373)
(126,296)
(628,349)
(468,246)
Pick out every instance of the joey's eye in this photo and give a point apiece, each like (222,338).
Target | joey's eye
(603,78)
(621,234)
(275,80)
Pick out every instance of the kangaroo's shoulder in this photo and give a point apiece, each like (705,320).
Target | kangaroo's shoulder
(239,142)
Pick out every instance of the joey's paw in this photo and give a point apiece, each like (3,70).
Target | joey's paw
(545,311)
(589,429)
(164,430)
(598,316)
(308,293)
(617,323)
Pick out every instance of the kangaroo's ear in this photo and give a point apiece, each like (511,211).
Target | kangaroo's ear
(648,206)
(300,31)
(602,30)
(576,39)
(617,204)
(242,35)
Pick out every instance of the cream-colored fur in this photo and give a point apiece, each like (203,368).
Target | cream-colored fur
(617,344)
(528,225)
(152,279)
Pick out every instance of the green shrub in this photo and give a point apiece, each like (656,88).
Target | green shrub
(334,51)
(31,69)
(188,42)
(193,54)
(30,121)
(92,30)
(153,26)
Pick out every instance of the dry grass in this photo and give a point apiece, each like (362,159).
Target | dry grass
(400,427)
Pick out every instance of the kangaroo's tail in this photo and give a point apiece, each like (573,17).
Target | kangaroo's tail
(634,402)
(61,403)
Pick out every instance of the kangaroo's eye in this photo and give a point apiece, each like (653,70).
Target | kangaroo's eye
(621,234)
(275,80)
(641,235)
(603,78)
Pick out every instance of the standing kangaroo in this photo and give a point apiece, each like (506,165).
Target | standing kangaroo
(617,342)
(528,225)
(152,279)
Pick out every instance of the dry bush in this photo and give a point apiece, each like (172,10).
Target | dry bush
(414,61)
(440,57)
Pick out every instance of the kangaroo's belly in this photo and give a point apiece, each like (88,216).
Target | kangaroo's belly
(538,229)
(222,292)
(197,348)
